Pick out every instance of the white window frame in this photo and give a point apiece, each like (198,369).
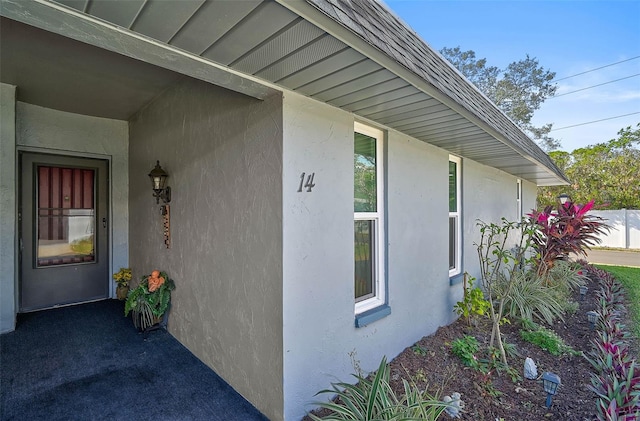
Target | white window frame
(457,215)
(379,273)
(519,199)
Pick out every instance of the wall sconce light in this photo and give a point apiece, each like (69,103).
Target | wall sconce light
(158,178)
(564,198)
(550,383)
(592,317)
(583,291)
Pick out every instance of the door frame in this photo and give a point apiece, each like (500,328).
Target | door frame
(18,228)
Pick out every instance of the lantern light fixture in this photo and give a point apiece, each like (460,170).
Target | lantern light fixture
(158,178)
(564,198)
(550,383)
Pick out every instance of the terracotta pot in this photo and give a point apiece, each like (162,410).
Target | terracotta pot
(122,292)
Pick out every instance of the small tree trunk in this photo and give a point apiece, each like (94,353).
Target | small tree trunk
(493,321)
(503,354)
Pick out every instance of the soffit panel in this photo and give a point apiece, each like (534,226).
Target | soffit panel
(368,81)
(381,99)
(262,23)
(432,113)
(321,67)
(285,43)
(172,14)
(269,41)
(458,137)
(122,14)
(454,129)
(442,119)
(423,103)
(457,131)
(408,116)
(342,76)
(311,54)
(212,21)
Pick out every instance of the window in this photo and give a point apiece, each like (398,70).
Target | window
(368,218)
(519,199)
(455,247)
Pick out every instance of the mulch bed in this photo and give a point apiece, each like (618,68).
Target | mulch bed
(497,397)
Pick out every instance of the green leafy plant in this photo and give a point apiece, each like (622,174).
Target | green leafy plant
(374,399)
(548,340)
(418,350)
(527,297)
(466,349)
(499,264)
(150,299)
(473,303)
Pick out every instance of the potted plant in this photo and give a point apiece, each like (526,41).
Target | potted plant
(150,300)
(122,278)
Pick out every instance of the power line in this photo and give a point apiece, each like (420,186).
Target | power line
(595,86)
(594,121)
(597,68)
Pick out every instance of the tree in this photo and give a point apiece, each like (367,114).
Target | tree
(608,173)
(519,90)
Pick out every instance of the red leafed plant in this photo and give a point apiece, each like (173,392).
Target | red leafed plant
(616,379)
(564,230)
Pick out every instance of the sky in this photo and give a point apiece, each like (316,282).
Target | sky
(567,37)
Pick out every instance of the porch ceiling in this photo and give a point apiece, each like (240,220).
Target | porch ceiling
(320,48)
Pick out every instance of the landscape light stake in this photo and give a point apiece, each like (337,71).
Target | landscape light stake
(550,383)
(592,316)
(583,291)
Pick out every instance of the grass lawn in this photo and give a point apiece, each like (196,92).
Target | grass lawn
(630,278)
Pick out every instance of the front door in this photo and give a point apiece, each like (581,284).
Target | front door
(63,230)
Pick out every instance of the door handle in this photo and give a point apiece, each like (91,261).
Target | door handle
(104,222)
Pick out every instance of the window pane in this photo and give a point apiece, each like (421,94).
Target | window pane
(365,183)
(453,184)
(364,259)
(452,242)
(66,217)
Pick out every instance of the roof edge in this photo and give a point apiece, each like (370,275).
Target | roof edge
(318,17)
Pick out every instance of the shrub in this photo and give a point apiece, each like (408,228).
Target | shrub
(374,399)
(529,298)
(473,303)
(616,380)
(465,348)
(568,229)
(548,340)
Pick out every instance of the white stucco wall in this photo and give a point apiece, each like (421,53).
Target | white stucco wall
(488,195)
(8,270)
(223,153)
(51,131)
(319,331)
(319,320)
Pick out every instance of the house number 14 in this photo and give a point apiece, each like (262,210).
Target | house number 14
(309,184)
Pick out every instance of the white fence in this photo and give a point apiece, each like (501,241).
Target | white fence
(625,228)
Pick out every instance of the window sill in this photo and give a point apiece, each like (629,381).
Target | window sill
(372,315)
(456,279)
